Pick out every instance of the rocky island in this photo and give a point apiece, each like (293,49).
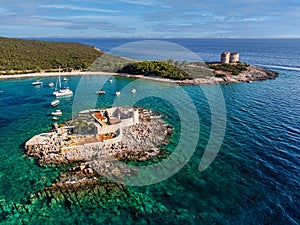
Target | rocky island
(86,150)
(96,139)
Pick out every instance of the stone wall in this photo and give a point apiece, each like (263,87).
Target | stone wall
(110,128)
(118,138)
(127,122)
(127,117)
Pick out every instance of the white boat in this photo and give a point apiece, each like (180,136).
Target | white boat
(58,112)
(133,91)
(110,81)
(61,92)
(38,82)
(55,118)
(118,93)
(101,92)
(55,102)
(65,79)
(51,84)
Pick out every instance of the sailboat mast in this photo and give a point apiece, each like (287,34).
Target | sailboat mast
(59,82)
(56,83)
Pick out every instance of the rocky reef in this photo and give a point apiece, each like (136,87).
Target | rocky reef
(102,202)
(86,171)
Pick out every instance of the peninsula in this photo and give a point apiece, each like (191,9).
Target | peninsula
(229,70)
(28,58)
(197,73)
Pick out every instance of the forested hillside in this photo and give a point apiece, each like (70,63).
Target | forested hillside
(156,69)
(17,55)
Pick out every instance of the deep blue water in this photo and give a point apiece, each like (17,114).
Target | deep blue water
(254,178)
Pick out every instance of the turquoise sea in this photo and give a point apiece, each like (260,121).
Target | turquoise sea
(253,180)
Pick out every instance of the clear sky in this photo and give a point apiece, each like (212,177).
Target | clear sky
(150,18)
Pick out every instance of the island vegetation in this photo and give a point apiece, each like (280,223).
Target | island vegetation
(109,63)
(28,56)
(156,69)
(233,69)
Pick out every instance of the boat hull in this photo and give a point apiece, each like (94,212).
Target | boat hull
(56,113)
(63,93)
(54,103)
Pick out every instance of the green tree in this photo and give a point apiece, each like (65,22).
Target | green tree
(171,61)
(177,63)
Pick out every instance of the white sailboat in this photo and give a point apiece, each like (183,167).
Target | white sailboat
(61,92)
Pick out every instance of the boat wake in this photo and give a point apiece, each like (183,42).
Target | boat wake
(281,67)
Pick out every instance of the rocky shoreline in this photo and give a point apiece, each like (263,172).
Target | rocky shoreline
(253,73)
(93,160)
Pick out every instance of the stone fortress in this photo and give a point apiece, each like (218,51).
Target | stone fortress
(110,134)
(115,120)
(109,121)
(229,57)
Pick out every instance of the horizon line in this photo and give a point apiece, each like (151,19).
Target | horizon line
(79,37)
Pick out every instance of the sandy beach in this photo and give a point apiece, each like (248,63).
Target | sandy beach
(54,74)
(253,73)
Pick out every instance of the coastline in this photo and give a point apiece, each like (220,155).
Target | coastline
(253,73)
(54,74)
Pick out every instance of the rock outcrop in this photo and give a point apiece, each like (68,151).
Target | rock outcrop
(253,73)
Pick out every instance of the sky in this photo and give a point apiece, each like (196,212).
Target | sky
(150,18)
